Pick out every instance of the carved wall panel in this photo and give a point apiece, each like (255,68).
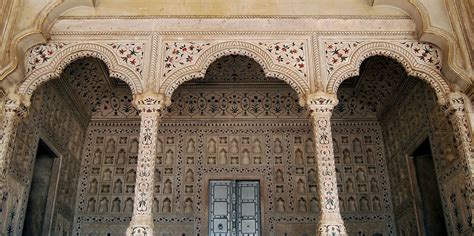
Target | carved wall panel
(259,133)
(189,155)
(51,118)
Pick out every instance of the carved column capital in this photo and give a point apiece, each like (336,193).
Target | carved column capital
(320,102)
(16,104)
(454,103)
(150,102)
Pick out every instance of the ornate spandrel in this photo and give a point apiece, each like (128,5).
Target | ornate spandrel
(321,106)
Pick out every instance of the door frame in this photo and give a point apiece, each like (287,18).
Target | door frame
(53,186)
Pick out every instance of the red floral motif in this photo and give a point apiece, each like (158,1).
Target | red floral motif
(41,54)
(425,53)
(291,54)
(337,53)
(131,54)
(178,55)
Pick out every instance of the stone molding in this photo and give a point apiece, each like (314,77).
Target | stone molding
(413,64)
(59,55)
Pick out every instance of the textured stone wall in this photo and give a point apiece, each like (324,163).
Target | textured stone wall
(52,119)
(222,133)
(410,121)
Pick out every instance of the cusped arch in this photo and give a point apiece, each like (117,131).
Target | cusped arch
(62,59)
(199,68)
(427,73)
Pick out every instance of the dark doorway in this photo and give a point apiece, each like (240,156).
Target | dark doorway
(38,211)
(431,217)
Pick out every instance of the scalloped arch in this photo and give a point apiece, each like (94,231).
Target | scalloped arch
(413,68)
(62,59)
(199,68)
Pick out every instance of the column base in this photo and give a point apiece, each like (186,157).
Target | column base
(140,227)
(331,225)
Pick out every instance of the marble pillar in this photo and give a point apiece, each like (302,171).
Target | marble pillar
(149,105)
(456,110)
(14,111)
(320,106)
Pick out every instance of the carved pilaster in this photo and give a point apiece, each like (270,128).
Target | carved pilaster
(149,105)
(455,110)
(14,111)
(321,106)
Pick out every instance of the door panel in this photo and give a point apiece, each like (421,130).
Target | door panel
(234,208)
(248,215)
(220,207)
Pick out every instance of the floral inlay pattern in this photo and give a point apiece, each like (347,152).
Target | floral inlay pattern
(337,53)
(425,53)
(178,55)
(41,54)
(131,54)
(292,54)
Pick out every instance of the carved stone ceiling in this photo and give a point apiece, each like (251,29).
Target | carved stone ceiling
(378,85)
(87,82)
(235,68)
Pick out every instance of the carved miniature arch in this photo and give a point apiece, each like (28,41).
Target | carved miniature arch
(199,68)
(412,67)
(54,68)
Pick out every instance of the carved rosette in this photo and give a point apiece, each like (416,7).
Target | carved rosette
(455,110)
(14,111)
(149,106)
(321,106)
